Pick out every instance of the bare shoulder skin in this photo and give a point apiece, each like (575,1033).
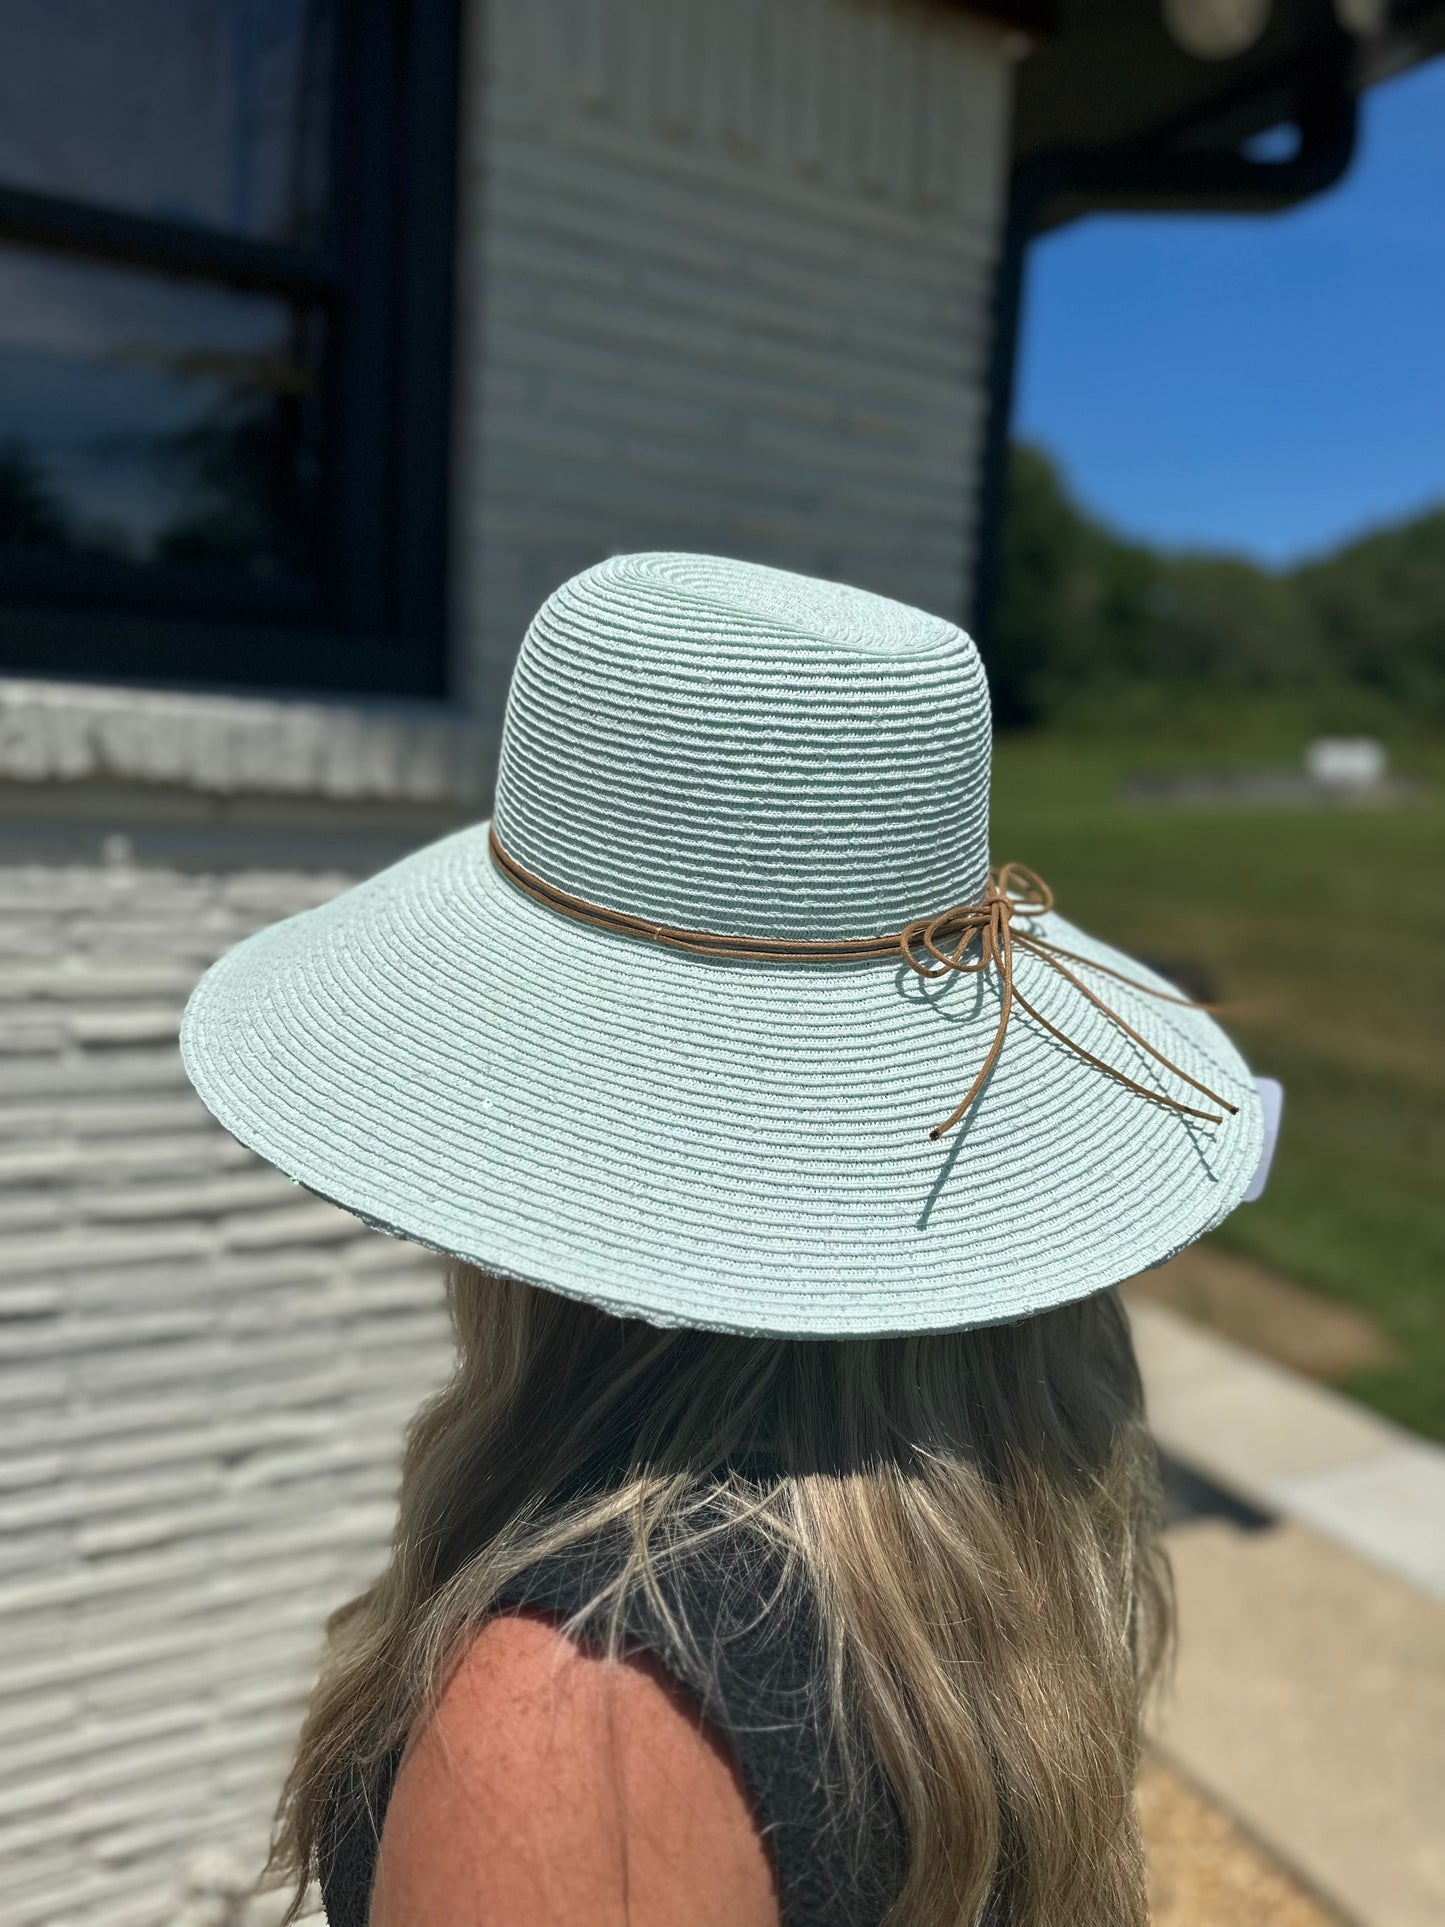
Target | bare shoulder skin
(556,1788)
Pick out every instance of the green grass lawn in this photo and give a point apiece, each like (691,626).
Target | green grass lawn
(1324,931)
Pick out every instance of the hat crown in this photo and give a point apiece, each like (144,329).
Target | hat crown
(729,747)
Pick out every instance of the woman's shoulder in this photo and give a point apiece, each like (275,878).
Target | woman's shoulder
(554,1785)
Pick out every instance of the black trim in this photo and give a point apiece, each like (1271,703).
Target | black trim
(173,247)
(1010,273)
(366,143)
(142,649)
(430,137)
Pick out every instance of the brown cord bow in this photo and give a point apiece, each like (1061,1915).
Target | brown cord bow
(1012,891)
(1015,891)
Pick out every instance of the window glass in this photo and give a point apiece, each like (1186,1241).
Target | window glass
(146,419)
(212,111)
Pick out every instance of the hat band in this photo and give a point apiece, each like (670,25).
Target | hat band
(946,939)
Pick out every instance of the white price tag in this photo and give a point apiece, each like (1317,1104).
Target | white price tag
(1271,1102)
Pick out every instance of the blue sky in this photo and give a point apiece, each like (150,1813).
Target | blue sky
(1267,385)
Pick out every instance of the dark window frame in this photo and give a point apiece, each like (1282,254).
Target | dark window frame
(383,274)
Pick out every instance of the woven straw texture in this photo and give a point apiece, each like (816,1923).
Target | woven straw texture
(706,1141)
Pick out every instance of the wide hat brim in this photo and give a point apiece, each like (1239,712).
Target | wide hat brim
(734,1145)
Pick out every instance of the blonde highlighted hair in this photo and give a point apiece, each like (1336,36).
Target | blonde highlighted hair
(974,1513)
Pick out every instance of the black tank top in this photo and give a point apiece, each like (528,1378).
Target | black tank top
(838,1864)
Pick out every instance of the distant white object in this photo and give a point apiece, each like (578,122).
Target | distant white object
(1347,762)
(1271,1102)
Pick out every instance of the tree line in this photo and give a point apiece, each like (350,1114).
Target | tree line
(1084,614)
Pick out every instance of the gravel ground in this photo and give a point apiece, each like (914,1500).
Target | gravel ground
(1204,1871)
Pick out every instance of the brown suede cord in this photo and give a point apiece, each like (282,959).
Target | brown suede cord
(946,940)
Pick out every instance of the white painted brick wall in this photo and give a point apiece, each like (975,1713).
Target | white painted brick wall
(728,276)
(204,1374)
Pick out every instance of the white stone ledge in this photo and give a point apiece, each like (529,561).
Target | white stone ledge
(346,750)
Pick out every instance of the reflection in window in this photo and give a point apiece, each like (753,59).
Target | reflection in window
(211,111)
(148,420)
(225,299)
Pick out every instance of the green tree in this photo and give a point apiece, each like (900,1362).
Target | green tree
(1074,604)
(1379,608)
(1084,614)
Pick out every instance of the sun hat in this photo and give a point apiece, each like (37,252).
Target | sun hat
(677,1031)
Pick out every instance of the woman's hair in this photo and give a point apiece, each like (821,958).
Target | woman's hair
(974,1512)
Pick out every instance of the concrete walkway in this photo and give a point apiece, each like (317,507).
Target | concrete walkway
(1295,1448)
(1310,1697)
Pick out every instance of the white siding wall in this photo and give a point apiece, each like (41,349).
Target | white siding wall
(725,276)
(204,1373)
(729,284)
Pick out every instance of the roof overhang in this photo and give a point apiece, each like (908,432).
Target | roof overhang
(1113,111)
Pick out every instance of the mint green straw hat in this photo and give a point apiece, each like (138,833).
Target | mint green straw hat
(677,1032)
